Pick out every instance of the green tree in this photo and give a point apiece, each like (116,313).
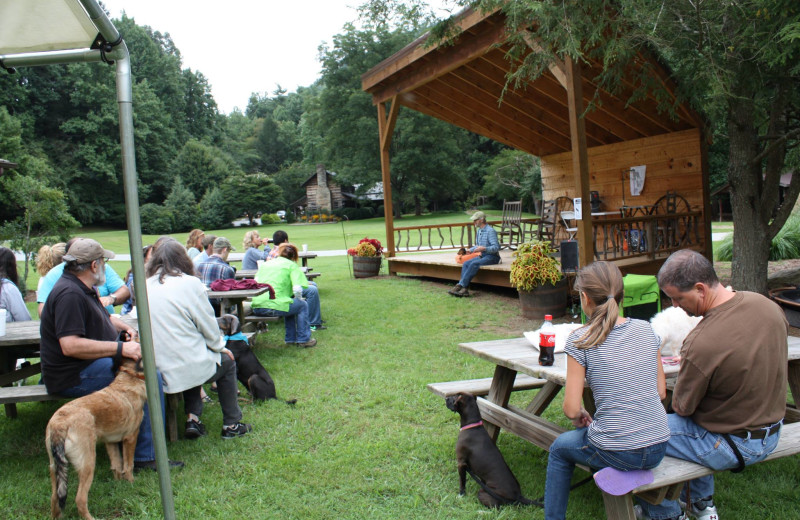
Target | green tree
(514,175)
(202,166)
(182,205)
(211,210)
(44,217)
(250,195)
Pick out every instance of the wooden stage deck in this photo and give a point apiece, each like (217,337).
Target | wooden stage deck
(442,264)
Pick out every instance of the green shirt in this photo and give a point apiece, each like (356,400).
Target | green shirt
(282,274)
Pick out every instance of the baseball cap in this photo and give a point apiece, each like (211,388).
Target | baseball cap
(478,215)
(221,242)
(85,250)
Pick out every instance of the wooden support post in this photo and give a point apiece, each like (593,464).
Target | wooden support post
(580,159)
(385,129)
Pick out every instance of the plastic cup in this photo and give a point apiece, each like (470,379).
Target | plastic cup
(305,248)
(2,322)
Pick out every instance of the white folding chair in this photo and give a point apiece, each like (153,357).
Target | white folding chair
(566,217)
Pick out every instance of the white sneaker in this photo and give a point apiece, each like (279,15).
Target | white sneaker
(637,509)
(703,509)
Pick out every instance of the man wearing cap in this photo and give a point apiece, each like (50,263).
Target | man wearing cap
(79,339)
(217,268)
(487,245)
(112,292)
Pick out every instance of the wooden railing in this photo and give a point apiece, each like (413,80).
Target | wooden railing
(614,238)
(644,235)
(437,237)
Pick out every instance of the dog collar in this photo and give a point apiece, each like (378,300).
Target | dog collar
(239,336)
(473,425)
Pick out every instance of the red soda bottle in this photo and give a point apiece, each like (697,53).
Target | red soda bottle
(547,342)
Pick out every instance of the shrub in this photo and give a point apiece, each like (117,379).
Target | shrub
(785,245)
(156,219)
(270,218)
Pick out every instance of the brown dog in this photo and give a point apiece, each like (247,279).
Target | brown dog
(477,455)
(111,415)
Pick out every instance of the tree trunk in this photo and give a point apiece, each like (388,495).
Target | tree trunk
(750,230)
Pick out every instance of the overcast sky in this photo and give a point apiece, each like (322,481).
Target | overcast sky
(245,46)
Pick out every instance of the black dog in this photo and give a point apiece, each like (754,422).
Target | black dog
(478,456)
(249,370)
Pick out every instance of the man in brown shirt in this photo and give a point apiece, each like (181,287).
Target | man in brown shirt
(729,400)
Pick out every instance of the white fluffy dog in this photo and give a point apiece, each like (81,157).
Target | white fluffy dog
(672,325)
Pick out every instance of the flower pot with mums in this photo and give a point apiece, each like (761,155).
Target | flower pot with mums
(537,276)
(367,256)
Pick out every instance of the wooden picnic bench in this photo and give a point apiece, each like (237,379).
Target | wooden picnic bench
(480,387)
(11,395)
(515,357)
(670,476)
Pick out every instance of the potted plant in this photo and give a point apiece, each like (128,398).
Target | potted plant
(537,276)
(367,257)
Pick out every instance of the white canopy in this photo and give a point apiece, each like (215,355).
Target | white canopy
(44,25)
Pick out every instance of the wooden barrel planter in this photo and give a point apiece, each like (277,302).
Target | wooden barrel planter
(545,299)
(366,266)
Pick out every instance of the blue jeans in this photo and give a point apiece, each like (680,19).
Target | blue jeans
(572,448)
(97,376)
(470,268)
(311,294)
(295,321)
(694,443)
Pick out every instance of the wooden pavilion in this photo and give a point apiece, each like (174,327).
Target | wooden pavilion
(463,84)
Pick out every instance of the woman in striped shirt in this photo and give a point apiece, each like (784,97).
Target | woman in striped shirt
(620,359)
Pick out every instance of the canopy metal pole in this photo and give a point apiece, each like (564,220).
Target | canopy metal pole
(125,101)
(124,94)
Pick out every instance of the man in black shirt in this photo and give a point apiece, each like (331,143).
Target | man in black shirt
(79,339)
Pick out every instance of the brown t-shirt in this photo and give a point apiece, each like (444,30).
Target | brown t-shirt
(733,369)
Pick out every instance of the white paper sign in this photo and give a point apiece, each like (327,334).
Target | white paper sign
(637,180)
(577,205)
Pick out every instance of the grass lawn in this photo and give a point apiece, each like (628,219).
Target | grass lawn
(366,440)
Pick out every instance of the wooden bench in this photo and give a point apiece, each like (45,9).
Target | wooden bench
(258,322)
(11,395)
(480,387)
(670,476)
(311,276)
(173,406)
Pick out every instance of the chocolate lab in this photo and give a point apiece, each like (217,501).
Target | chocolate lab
(111,415)
(478,456)
(249,370)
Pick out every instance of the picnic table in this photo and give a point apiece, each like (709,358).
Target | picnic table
(251,273)
(237,297)
(22,341)
(517,355)
(304,256)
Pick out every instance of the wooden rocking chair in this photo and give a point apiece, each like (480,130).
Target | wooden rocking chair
(510,234)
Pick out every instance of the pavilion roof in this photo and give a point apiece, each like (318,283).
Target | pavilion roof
(463,84)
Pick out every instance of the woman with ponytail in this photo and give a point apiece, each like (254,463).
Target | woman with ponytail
(620,360)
